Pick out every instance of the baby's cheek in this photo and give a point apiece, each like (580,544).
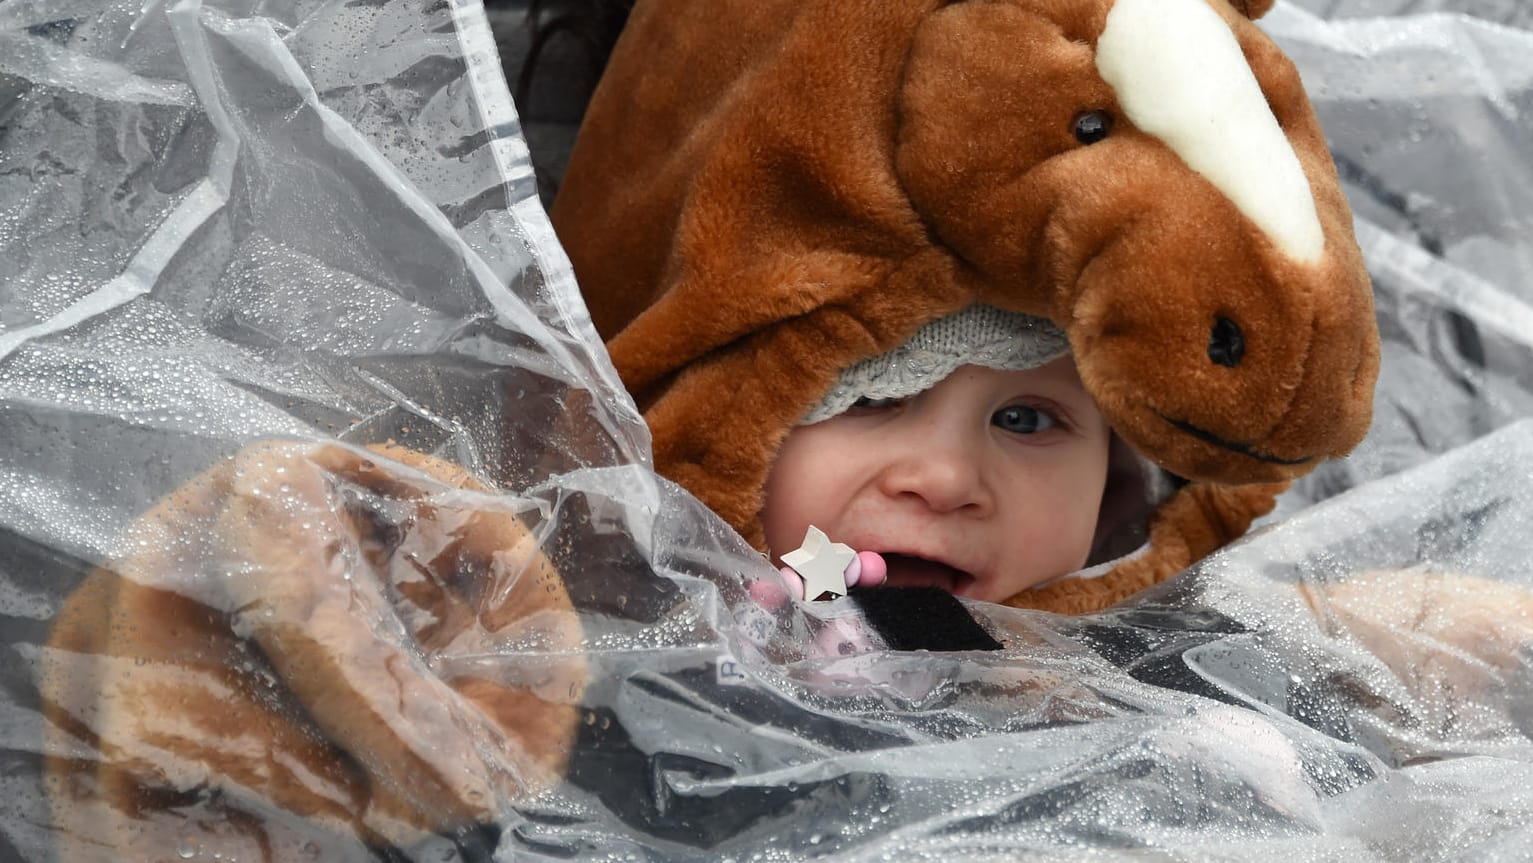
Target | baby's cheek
(1066,526)
(784,519)
(1082,534)
(1039,554)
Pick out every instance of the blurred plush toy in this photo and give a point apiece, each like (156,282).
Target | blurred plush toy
(766,193)
(240,666)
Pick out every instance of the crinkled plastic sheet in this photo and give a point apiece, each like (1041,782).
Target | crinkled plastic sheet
(315,223)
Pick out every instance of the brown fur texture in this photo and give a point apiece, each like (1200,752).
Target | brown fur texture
(765,192)
(231,686)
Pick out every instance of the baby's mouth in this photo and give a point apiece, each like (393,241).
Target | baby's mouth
(907,570)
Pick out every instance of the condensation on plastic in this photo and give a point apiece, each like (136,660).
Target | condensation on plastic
(238,243)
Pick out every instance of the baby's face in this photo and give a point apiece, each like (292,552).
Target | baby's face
(986,484)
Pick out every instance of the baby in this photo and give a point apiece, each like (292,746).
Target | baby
(982,473)
(762,222)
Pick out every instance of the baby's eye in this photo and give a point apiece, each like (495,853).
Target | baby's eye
(872,404)
(1021,419)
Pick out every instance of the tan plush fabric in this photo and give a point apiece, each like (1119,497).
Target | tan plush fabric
(236,664)
(1442,635)
(767,191)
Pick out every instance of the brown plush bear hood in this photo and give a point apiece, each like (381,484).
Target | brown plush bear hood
(766,192)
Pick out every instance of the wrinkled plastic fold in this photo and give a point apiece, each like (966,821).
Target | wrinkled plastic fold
(327,531)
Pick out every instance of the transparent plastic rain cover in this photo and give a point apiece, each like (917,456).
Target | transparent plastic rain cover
(269,271)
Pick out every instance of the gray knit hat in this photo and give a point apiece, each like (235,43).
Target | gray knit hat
(979,335)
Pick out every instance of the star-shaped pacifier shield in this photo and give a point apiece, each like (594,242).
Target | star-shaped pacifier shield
(822,564)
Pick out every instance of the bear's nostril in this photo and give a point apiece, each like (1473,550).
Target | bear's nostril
(1226,344)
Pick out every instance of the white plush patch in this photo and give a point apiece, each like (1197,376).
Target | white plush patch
(1179,75)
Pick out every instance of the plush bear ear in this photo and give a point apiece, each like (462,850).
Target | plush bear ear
(1253,9)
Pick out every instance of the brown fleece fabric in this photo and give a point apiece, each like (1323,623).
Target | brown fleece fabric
(766,191)
(236,665)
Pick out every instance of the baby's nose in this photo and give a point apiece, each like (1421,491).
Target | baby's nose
(943,471)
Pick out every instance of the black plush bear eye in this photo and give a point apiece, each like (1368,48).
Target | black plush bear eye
(1092,126)
(1226,343)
